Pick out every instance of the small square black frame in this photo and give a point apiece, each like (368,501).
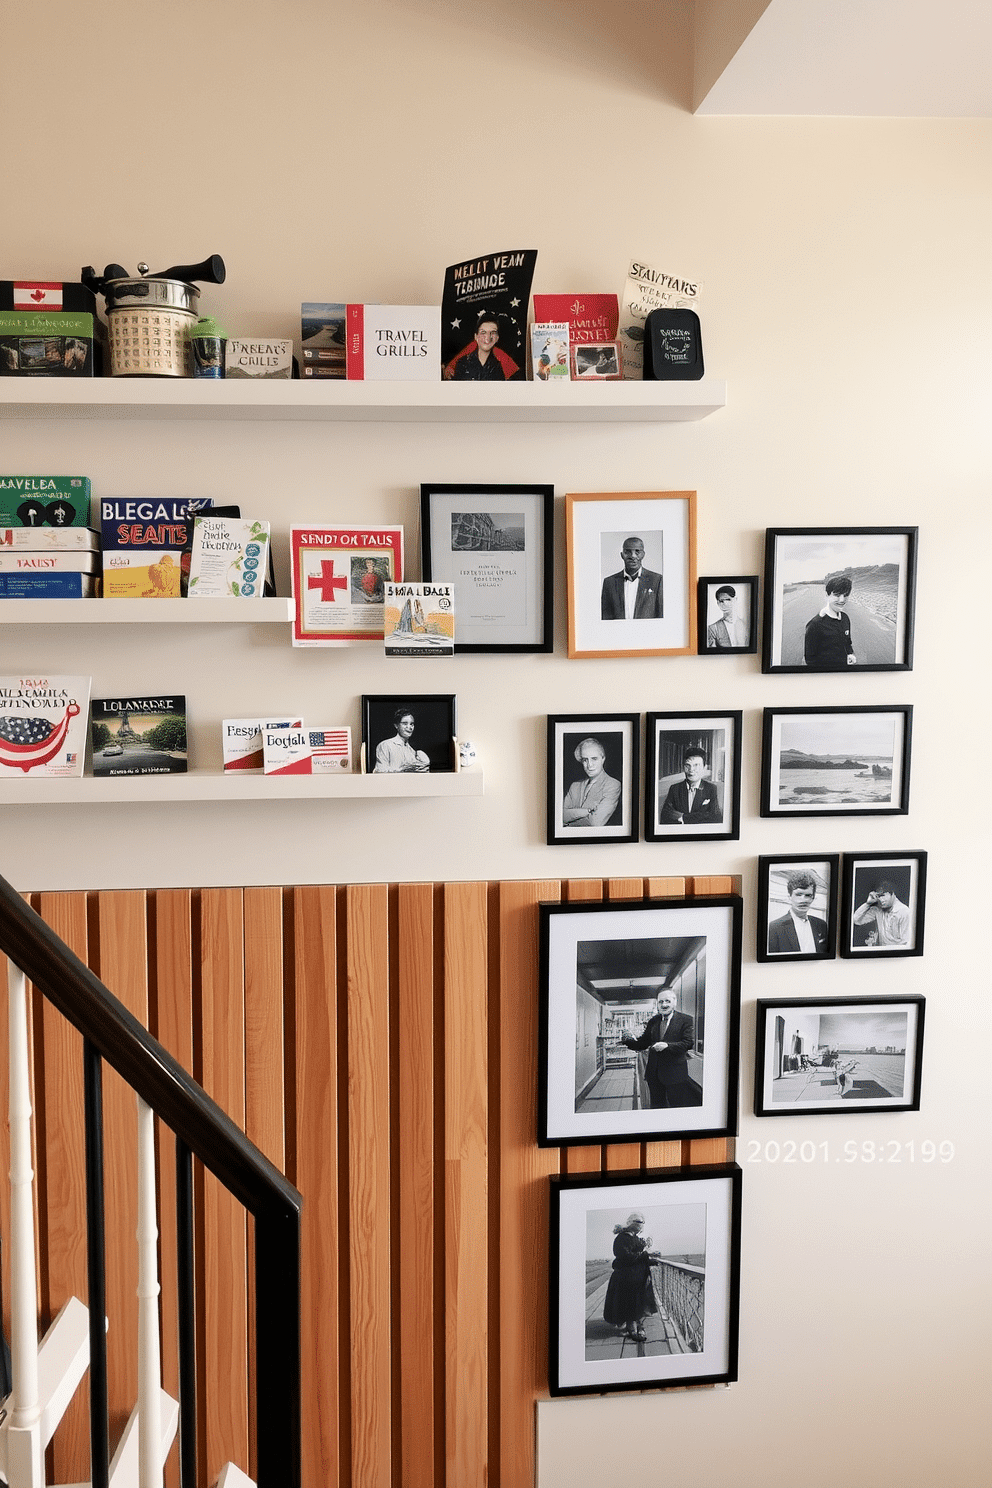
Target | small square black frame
(438,740)
(717,581)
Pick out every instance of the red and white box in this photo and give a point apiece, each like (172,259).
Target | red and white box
(307,751)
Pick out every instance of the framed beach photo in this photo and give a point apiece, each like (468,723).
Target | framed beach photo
(593,777)
(883,898)
(727,622)
(631,571)
(494,543)
(797,907)
(839,599)
(692,777)
(830,1056)
(639,1020)
(407,733)
(836,761)
(644,1279)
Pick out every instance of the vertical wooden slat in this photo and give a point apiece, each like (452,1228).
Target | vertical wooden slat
(5,1151)
(713,1149)
(722,884)
(664,1154)
(582,1159)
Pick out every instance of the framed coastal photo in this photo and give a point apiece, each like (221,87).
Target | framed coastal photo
(836,761)
(692,777)
(797,907)
(728,615)
(644,1280)
(883,898)
(631,571)
(406,733)
(494,543)
(593,777)
(830,1056)
(839,599)
(639,1020)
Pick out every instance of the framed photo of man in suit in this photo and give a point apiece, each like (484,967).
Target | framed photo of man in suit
(692,777)
(593,777)
(797,907)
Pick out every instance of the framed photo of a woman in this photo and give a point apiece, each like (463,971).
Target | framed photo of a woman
(797,907)
(883,895)
(692,777)
(408,733)
(593,777)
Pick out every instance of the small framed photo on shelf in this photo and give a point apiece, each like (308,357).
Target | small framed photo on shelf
(644,1280)
(883,896)
(728,615)
(839,599)
(406,733)
(797,907)
(836,761)
(692,777)
(597,361)
(627,992)
(831,1056)
(495,544)
(593,777)
(631,570)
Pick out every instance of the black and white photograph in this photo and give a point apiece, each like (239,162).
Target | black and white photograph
(829,1056)
(797,907)
(639,1020)
(839,599)
(644,1279)
(692,777)
(408,733)
(728,615)
(596,359)
(836,761)
(494,543)
(884,896)
(593,777)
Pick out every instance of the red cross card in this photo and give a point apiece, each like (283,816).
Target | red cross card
(339,579)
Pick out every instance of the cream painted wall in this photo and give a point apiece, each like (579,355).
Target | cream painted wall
(354,151)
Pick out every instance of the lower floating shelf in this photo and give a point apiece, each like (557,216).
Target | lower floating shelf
(145,611)
(237,786)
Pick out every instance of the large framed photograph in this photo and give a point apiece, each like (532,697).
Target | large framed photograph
(692,777)
(631,569)
(839,599)
(644,1279)
(728,615)
(406,733)
(495,544)
(639,1020)
(797,907)
(836,761)
(884,895)
(593,777)
(830,1056)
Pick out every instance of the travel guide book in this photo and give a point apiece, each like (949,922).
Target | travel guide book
(48,586)
(44,500)
(144,539)
(229,558)
(339,582)
(49,540)
(393,343)
(139,735)
(43,725)
(419,620)
(323,340)
(484,317)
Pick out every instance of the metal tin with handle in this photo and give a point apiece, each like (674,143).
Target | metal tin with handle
(150,317)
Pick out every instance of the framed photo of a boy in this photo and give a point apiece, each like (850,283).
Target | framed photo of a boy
(593,777)
(728,615)
(883,897)
(408,733)
(797,907)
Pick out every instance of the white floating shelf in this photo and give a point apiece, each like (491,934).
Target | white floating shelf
(380,402)
(145,611)
(201,785)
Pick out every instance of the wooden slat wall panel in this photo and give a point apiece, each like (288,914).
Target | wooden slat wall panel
(620,1156)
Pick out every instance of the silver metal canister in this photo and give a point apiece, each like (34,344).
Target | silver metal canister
(149,321)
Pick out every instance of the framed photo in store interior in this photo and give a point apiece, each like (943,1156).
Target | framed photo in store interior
(728,615)
(883,897)
(836,761)
(593,777)
(692,779)
(407,733)
(797,907)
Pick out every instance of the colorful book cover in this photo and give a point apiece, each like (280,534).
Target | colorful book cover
(592,317)
(258,359)
(48,586)
(139,735)
(419,620)
(43,725)
(307,751)
(49,539)
(229,558)
(242,740)
(323,339)
(647,289)
(484,317)
(21,561)
(549,350)
(394,343)
(46,344)
(144,540)
(339,576)
(44,500)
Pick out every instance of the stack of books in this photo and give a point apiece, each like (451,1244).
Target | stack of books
(49,562)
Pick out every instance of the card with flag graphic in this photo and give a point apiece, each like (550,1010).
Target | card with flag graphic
(339,582)
(307,751)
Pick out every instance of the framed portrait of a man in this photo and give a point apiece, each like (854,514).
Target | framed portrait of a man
(797,907)
(883,895)
(728,615)
(593,777)
(692,777)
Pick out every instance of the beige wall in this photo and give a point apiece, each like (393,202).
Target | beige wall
(343,151)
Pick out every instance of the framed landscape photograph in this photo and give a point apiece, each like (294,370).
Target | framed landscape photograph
(406,733)
(494,543)
(836,761)
(639,1020)
(884,896)
(631,571)
(839,599)
(831,1056)
(692,777)
(728,615)
(644,1279)
(797,907)
(593,777)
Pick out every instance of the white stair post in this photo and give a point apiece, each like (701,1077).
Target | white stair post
(24,1452)
(149,1365)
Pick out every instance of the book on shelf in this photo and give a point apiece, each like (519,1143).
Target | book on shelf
(589,317)
(49,540)
(144,539)
(139,735)
(22,561)
(46,344)
(258,359)
(549,350)
(646,289)
(43,725)
(339,577)
(484,317)
(393,343)
(44,501)
(419,619)
(323,340)
(229,558)
(307,751)
(48,585)
(242,740)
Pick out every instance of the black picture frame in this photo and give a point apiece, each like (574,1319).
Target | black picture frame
(777,938)
(846,774)
(434,735)
(522,580)
(711,640)
(799,561)
(690,1240)
(602,967)
(570,786)
(838,1056)
(716,803)
(898,923)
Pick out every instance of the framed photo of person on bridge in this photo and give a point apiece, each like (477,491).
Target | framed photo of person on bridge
(839,599)
(644,1279)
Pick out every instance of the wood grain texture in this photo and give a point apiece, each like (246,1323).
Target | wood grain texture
(665,888)
(722,884)
(711,1150)
(582,1159)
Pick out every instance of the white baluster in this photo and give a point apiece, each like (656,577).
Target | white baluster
(24,1457)
(149,1367)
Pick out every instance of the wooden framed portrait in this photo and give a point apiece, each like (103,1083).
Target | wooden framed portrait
(830,1056)
(797,907)
(639,1027)
(836,761)
(495,544)
(839,599)
(593,777)
(644,1279)
(631,571)
(727,621)
(692,777)
(407,733)
(883,896)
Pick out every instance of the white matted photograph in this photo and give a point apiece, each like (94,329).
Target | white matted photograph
(728,615)
(823,1056)
(593,777)
(836,761)
(692,777)
(797,907)
(884,897)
